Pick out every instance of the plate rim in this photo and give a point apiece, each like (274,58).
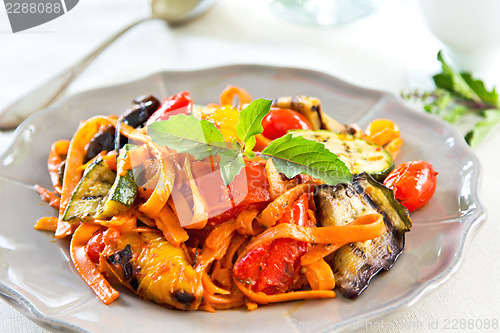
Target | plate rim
(472,224)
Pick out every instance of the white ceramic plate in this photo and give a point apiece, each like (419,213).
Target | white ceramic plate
(38,279)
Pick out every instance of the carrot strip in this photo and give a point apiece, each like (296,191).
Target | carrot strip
(273,212)
(168,223)
(57,155)
(262,298)
(46,223)
(318,252)
(72,174)
(366,227)
(216,245)
(228,94)
(86,268)
(236,243)
(48,196)
(210,287)
(223,276)
(144,218)
(124,222)
(244,222)
(221,302)
(320,276)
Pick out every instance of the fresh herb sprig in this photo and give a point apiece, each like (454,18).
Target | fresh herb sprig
(459,94)
(291,155)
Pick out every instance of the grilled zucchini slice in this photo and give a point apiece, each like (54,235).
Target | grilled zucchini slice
(94,185)
(123,192)
(355,264)
(358,154)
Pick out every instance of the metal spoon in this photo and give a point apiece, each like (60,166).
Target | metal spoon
(174,12)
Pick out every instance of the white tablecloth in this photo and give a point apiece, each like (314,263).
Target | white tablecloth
(390,50)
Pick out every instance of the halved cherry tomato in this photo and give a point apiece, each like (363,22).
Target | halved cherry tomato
(179,103)
(278,121)
(95,246)
(413,183)
(271,268)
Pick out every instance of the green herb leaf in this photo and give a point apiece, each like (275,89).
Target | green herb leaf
(459,94)
(487,97)
(249,123)
(187,134)
(454,82)
(455,114)
(483,128)
(231,163)
(295,155)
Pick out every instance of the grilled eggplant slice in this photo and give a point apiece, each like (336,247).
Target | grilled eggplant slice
(152,268)
(355,264)
(310,107)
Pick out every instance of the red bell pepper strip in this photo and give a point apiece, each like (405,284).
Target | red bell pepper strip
(176,104)
(271,268)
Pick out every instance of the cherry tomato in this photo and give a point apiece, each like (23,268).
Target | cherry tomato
(95,246)
(278,121)
(179,103)
(413,183)
(382,131)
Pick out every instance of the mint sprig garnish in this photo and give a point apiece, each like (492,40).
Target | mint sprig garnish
(187,134)
(249,123)
(457,95)
(291,155)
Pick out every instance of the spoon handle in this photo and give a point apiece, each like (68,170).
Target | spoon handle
(53,89)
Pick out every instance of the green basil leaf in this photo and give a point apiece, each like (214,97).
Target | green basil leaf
(452,81)
(455,114)
(295,155)
(249,123)
(187,134)
(231,163)
(488,97)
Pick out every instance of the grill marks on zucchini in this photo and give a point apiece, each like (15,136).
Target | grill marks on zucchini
(358,154)
(102,193)
(123,192)
(355,264)
(94,185)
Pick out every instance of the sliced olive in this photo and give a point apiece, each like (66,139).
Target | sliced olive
(102,141)
(138,114)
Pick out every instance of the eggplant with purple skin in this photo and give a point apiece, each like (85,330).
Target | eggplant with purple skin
(310,107)
(355,264)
